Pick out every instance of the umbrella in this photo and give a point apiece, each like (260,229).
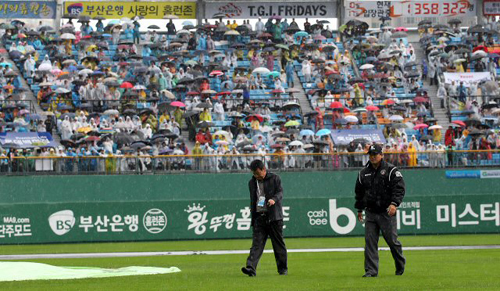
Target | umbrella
(296,143)
(67,36)
(292,123)
(204,105)
(323,132)
(372,108)
(367,67)
(177,104)
(255,116)
(435,127)
(351,119)
(153,27)
(170,16)
(261,70)
(396,118)
(420,100)
(458,122)
(231,32)
(126,85)
(419,126)
(226,134)
(204,124)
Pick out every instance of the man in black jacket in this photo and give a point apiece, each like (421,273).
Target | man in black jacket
(380,189)
(266,195)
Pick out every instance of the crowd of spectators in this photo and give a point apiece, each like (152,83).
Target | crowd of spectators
(119,98)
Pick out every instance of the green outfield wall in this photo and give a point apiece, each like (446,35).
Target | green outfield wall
(53,209)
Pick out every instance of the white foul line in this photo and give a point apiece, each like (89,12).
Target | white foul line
(227,252)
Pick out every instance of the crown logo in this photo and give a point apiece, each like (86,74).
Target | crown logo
(194,208)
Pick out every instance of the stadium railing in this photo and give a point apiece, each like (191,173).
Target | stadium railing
(134,164)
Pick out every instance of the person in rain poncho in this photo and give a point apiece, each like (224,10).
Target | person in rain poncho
(219,111)
(307,71)
(148,132)
(66,130)
(412,151)
(29,66)
(205,115)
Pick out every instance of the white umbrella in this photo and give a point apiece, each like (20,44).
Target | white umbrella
(435,127)
(67,36)
(85,72)
(125,19)
(367,67)
(62,90)
(296,143)
(170,16)
(352,119)
(231,32)
(183,31)
(45,67)
(261,70)
(396,118)
(457,61)
(480,53)
(167,93)
(111,112)
(139,87)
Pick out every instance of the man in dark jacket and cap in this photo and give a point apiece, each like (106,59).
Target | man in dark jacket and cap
(380,189)
(266,195)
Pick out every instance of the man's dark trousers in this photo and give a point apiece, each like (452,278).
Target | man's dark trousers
(376,222)
(261,230)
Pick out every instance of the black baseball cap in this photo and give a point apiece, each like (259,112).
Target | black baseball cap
(375,149)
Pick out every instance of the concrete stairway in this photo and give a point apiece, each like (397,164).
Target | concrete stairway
(439,113)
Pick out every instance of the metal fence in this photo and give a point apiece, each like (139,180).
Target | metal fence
(132,164)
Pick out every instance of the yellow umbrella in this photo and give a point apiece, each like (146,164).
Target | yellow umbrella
(84,129)
(91,47)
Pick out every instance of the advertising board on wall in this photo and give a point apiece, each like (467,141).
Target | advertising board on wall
(245,10)
(118,10)
(203,219)
(395,9)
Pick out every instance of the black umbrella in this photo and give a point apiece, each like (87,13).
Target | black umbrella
(188,114)
(204,124)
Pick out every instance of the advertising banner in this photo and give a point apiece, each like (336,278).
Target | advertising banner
(395,9)
(27,139)
(345,136)
(473,174)
(491,7)
(245,10)
(118,10)
(28,9)
(193,219)
(467,78)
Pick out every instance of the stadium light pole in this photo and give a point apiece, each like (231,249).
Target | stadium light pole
(59,13)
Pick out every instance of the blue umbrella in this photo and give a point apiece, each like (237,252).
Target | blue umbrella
(34,117)
(323,132)
(301,34)
(306,132)
(97,73)
(72,69)
(115,21)
(187,22)
(5,65)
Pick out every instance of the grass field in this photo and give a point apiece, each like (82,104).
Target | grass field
(426,270)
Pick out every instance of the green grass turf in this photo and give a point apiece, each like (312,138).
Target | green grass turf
(241,244)
(426,270)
